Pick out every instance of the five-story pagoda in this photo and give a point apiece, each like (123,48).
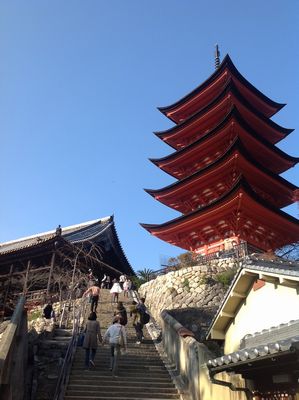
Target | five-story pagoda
(227,166)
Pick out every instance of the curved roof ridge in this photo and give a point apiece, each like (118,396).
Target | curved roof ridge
(123,254)
(52,231)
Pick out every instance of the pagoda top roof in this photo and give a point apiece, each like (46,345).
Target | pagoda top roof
(173,109)
(228,88)
(284,222)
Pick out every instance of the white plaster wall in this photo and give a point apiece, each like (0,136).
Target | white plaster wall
(264,308)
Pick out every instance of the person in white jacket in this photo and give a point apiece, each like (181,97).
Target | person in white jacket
(116,333)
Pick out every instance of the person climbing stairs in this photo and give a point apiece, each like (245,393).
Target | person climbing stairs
(141,373)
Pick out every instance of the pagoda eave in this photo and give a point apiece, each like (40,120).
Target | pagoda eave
(230,95)
(255,221)
(213,180)
(227,67)
(190,158)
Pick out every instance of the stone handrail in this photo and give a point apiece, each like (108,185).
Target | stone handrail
(13,355)
(188,359)
(182,351)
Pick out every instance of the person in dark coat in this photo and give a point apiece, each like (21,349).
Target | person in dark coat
(90,343)
(48,311)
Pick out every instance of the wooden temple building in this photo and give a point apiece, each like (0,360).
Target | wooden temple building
(227,168)
(46,263)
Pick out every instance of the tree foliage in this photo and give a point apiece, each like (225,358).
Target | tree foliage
(183,260)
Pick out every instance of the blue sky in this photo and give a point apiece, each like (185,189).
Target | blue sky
(79,85)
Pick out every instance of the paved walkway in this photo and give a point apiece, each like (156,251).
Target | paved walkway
(141,375)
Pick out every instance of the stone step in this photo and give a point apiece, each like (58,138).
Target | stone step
(131,352)
(124,364)
(136,351)
(130,375)
(122,381)
(129,357)
(132,389)
(63,332)
(129,369)
(119,395)
(52,343)
(62,338)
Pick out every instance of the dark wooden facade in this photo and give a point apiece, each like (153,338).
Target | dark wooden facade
(39,264)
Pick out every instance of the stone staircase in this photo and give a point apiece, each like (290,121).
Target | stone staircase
(141,374)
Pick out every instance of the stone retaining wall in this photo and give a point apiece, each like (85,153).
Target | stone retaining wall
(192,287)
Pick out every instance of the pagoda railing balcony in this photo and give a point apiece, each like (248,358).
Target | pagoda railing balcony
(237,251)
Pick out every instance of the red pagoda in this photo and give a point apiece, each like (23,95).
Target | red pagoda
(227,166)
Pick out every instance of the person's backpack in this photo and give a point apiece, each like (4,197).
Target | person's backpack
(144,317)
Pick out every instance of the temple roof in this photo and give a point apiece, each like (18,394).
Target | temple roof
(100,231)
(239,212)
(200,188)
(268,345)
(210,146)
(185,107)
(211,114)
(28,241)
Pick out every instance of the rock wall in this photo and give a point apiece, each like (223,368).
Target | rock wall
(192,287)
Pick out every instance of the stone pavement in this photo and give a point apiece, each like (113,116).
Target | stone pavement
(141,375)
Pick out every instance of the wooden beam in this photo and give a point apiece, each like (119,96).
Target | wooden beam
(269,278)
(3,277)
(237,294)
(227,314)
(26,277)
(51,271)
(248,273)
(288,282)
(216,334)
(8,288)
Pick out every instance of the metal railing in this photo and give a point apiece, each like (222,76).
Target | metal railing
(237,251)
(62,381)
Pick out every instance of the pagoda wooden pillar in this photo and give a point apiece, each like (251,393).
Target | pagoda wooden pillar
(51,271)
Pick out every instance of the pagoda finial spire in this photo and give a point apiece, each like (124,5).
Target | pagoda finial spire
(217,57)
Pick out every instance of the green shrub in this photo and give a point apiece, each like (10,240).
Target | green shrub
(32,316)
(203,280)
(186,284)
(226,277)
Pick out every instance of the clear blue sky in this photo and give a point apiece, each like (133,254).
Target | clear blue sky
(79,85)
